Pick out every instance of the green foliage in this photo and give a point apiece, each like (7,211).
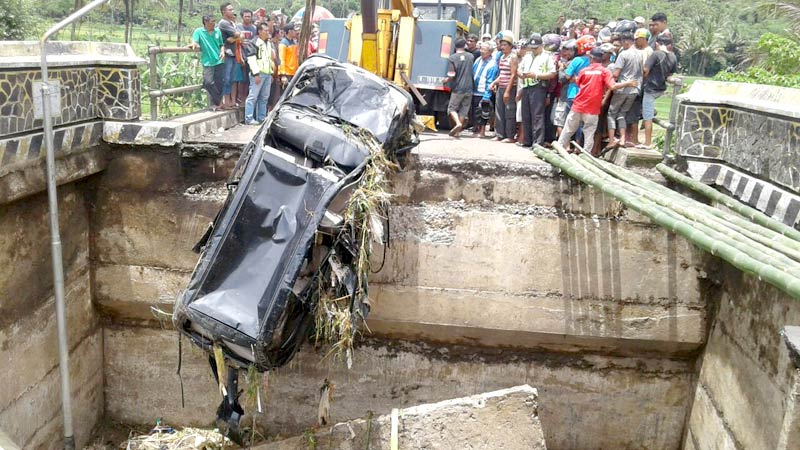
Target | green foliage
(710,35)
(177,70)
(17,20)
(775,61)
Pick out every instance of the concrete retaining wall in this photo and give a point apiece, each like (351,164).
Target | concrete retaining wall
(30,400)
(510,274)
(747,392)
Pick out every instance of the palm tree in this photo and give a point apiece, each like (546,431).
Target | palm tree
(788,10)
(702,43)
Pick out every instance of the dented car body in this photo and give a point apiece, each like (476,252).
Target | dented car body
(252,293)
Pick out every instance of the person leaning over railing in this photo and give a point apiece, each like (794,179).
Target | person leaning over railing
(209,40)
(262,65)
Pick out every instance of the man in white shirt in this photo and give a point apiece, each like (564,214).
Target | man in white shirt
(535,72)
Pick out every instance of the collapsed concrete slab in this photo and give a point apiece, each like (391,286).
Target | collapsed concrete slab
(468,422)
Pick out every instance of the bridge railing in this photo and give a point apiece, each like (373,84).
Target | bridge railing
(156,93)
(669,124)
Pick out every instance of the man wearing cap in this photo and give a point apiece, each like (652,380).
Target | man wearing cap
(487,37)
(459,74)
(593,82)
(537,68)
(506,86)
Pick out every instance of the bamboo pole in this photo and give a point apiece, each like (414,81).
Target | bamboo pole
(679,210)
(718,247)
(764,236)
(746,211)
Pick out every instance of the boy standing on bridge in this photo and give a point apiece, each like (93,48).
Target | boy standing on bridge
(627,67)
(209,40)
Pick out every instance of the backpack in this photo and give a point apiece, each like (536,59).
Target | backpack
(248,49)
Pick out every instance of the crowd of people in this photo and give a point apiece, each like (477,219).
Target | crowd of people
(586,82)
(246,60)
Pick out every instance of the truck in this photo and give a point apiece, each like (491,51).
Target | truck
(414,42)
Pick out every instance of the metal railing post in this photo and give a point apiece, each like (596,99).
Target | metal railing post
(154,93)
(153,54)
(677,84)
(55,234)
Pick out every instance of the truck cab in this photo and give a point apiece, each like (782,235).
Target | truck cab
(412,50)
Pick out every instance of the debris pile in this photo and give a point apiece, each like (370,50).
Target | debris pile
(289,252)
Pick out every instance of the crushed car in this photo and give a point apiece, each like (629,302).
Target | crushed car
(288,253)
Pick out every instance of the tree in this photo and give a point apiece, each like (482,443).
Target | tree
(16,22)
(788,10)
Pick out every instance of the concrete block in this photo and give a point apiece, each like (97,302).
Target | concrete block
(143,133)
(25,253)
(707,428)
(746,362)
(585,401)
(436,245)
(127,293)
(486,317)
(141,384)
(483,182)
(150,169)
(28,348)
(731,378)
(150,230)
(469,422)
(34,420)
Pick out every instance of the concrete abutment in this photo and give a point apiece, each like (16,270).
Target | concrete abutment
(501,272)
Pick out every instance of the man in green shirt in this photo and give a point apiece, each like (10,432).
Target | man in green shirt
(209,40)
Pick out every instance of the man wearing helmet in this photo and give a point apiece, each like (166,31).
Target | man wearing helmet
(583,46)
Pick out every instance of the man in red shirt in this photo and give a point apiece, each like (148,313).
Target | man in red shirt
(593,82)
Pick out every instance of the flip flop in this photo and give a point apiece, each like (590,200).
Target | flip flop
(645,147)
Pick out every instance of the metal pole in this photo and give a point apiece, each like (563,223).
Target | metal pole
(55,234)
(677,84)
(153,53)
